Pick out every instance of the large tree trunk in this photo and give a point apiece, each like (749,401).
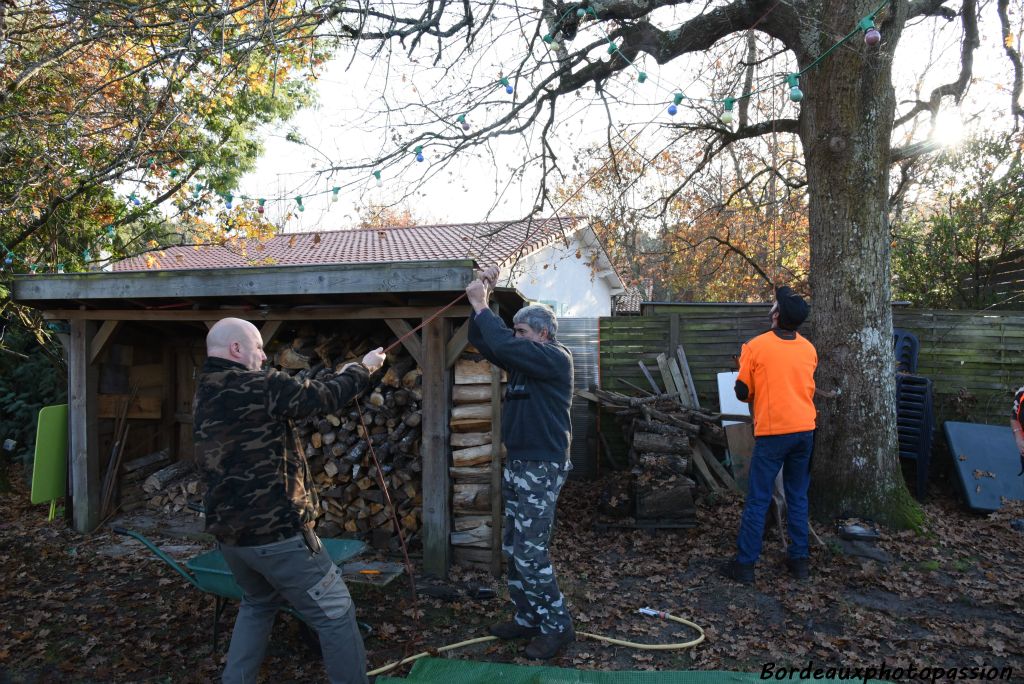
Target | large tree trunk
(845,128)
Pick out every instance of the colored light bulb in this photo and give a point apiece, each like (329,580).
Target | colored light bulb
(872,37)
(672,110)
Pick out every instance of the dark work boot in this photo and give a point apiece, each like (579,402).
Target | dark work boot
(545,646)
(513,630)
(739,572)
(799,568)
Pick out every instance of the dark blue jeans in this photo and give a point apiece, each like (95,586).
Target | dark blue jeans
(791,453)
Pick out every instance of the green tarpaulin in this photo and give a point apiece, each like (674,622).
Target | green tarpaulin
(442,671)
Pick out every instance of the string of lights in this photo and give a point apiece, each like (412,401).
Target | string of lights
(555,37)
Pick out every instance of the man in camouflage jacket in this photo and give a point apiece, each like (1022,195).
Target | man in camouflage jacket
(536,431)
(260,502)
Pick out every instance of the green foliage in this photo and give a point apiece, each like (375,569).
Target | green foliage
(29,380)
(945,255)
(132,106)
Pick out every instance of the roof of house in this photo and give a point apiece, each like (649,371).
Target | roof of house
(629,301)
(487,243)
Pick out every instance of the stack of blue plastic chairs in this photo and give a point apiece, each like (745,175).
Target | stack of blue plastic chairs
(915,419)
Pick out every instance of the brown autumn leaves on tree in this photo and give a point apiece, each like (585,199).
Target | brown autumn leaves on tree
(724,239)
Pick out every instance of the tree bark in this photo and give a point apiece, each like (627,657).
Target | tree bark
(846,122)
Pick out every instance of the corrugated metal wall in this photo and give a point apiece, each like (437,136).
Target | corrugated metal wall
(580,336)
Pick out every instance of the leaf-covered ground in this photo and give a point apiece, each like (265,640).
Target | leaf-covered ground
(97,609)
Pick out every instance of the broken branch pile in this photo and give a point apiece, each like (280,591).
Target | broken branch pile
(669,454)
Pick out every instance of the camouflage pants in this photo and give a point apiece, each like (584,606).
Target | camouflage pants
(530,490)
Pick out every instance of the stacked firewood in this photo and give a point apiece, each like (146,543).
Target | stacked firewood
(338,446)
(669,453)
(473,461)
(173,488)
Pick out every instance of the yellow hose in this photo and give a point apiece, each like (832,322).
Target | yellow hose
(617,642)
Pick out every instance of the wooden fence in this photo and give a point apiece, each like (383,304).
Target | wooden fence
(1001,281)
(975,359)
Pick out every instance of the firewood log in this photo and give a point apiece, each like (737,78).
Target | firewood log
(396,372)
(165,476)
(411,380)
(471,394)
(469,439)
(471,411)
(471,456)
(669,444)
(474,497)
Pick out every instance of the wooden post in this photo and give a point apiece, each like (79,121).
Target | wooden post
(673,333)
(434,454)
(168,426)
(497,505)
(83,444)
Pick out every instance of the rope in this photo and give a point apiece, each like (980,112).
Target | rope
(373,453)
(428,320)
(598,637)
(387,497)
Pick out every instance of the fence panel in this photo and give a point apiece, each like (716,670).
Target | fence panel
(975,359)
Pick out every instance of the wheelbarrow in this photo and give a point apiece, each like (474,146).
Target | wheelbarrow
(209,573)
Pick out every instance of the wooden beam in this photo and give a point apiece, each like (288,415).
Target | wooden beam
(83,444)
(298,313)
(269,329)
(673,332)
(267,281)
(410,340)
(497,505)
(168,438)
(455,345)
(666,375)
(687,376)
(436,478)
(102,339)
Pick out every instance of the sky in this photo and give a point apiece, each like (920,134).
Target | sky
(366,101)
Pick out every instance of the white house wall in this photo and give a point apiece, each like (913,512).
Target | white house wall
(569,285)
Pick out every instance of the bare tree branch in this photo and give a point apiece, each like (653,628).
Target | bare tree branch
(956,89)
(1014,56)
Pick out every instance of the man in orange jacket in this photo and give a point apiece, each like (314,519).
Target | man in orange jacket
(777,378)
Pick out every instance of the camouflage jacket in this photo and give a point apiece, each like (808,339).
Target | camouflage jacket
(258,487)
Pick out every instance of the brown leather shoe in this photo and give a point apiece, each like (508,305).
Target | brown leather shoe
(547,646)
(513,630)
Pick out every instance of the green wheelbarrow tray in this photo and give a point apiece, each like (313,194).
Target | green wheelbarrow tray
(209,572)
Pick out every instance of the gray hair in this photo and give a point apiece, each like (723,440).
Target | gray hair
(539,317)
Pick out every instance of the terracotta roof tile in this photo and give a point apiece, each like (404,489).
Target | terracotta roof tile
(487,243)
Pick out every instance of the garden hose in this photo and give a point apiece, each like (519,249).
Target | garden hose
(617,642)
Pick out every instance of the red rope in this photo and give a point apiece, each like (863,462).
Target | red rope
(413,331)
(373,453)
(387,497)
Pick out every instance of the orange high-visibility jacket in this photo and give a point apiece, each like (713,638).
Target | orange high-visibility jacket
(779,376)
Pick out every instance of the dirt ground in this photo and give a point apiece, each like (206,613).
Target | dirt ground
(98,608)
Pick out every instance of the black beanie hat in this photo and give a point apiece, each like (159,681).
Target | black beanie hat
(793,309)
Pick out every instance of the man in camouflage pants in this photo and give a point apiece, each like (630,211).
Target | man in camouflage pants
(260,501)
(536,431)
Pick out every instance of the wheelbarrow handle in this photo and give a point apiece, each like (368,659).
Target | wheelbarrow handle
(160,554)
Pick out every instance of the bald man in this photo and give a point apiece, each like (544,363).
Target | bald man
(260,501)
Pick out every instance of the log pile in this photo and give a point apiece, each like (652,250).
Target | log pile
(475,500)
(134,473)
(337,446)
(669,454)
(173,488)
